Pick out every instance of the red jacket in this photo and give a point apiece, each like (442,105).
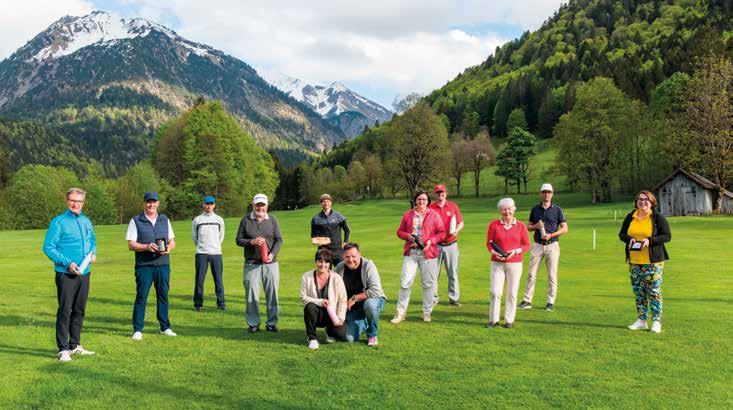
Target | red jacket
(432,230)
(509,239)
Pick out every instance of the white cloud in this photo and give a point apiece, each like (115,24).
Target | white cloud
(385,46)
(21,20)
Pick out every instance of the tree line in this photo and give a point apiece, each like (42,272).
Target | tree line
(202,152)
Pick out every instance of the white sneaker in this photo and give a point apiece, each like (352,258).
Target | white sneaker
(426,317)
(168,332)
(397,319)
(313,344)
(137,336)
(329,340)
(82,351)
(65,356)
(638,325)
(656,326)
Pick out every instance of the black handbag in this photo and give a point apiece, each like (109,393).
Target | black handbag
(498,249)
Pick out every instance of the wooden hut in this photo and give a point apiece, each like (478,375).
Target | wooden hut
(688,193)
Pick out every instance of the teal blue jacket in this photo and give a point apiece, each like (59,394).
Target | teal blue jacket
(69,238)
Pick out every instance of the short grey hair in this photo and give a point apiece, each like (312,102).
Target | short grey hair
(76,191)
(506,203)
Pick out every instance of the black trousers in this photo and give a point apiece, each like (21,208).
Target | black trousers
(203,261)
(71,291)
(315,317)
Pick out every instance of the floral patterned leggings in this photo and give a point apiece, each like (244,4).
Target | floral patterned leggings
(646,282)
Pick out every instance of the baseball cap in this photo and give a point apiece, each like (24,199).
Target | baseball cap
(440,188)
(209,199)
(150,196)
(546,187)
(260,199)
(326,196)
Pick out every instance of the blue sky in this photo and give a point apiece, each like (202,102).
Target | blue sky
(379,48)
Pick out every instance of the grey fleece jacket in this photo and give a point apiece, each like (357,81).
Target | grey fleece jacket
(369,277)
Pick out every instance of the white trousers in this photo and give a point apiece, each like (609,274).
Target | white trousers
(551,253)
(500,273)
(428,272)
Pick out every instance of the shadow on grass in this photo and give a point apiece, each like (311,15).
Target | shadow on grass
(134,387)
(674,299)
(568,323)
(17,350)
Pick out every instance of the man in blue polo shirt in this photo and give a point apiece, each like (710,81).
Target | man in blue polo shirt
(548,223)
(150,236)
(70,244)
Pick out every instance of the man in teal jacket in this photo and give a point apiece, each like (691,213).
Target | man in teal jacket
(71,245)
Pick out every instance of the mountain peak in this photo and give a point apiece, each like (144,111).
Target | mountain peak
(334,102)
(70,34)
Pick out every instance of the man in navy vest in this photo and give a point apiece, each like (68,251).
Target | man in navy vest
(150,236)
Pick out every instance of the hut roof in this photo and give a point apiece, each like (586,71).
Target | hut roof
(699,179)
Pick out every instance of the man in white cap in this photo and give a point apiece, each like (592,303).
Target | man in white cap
(548,223)
(259,234)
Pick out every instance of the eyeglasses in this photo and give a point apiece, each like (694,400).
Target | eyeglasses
(75,201)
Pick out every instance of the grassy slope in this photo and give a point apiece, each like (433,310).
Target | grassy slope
(580,355)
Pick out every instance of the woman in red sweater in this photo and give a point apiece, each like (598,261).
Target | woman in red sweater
(422,229)
(507,235)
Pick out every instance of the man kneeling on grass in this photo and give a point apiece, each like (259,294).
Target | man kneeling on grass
(364,290)
(324,297)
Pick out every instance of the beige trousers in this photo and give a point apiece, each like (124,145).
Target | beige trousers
(504,272)
(551,253)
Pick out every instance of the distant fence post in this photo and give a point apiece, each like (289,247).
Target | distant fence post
(594,239)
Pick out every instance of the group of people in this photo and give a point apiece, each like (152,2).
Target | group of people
(343,293)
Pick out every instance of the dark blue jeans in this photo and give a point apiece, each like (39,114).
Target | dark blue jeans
(364,319)
(145,277)
(203,261)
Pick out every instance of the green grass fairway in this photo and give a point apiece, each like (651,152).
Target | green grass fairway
(581,355)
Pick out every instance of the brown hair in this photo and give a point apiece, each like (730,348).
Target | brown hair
(417,194)
(650,195)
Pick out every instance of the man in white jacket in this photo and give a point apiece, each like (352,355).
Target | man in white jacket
(207,232)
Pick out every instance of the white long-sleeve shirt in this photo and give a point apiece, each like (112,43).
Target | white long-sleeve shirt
(207,231)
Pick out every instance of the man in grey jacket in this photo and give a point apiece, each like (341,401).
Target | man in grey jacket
(259,235)
(207,231)
(364,290)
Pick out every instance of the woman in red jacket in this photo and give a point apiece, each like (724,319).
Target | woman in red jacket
(507,239)
(421,229)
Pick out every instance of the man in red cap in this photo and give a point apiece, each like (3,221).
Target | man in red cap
(449,255)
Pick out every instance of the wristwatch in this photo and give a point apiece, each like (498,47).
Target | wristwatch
(353,298)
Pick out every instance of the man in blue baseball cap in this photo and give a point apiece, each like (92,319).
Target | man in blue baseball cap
(207,231)
(150,236)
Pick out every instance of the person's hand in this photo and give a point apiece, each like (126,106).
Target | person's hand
(340,323)
(270,257)
(324,302)
(511,254)
(166,251)
(94,258)
(497,255)
(645,243)
(547,237)
(259,241)
(428,243)
(152,247)
(350,303)
(74,269)
(539,224)
(631,242)
(410,239)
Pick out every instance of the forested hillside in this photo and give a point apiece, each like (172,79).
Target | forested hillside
(636,43)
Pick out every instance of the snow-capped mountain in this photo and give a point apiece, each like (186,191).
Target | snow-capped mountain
(142,73)
(334,102)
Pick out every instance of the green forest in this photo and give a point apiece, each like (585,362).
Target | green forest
(614,95)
